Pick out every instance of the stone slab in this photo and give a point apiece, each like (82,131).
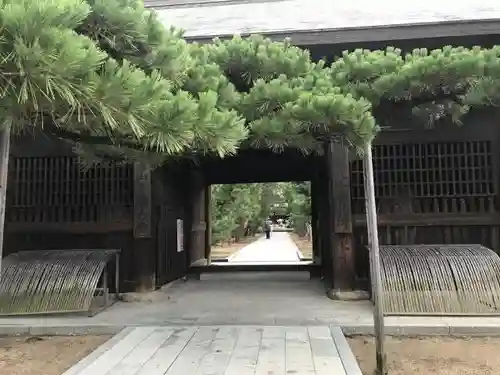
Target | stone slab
(255,350)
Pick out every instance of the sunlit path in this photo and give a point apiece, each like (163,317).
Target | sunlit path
(280,248)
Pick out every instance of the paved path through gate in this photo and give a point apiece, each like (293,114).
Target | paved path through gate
(278,249)
(222,350)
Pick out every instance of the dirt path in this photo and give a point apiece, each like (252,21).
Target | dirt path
(279,248)
(436,356)
(44,355)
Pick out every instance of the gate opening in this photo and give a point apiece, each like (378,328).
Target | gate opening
(260,223)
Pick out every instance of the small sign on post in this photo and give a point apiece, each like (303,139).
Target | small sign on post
(180,235)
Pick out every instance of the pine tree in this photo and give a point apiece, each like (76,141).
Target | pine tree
(235,207)
(49,73)
(286,99)
(433,85)
(248,90)
(196,115)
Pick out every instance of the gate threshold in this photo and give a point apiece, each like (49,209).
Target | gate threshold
(232,267)
(217,263)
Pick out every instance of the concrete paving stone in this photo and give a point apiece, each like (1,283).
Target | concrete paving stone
(474,330)
(14,330)
(417,330)
(52,330)
(304,322)
(98,330)
(70,330)
(356,330)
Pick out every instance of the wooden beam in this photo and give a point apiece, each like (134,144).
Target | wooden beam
(121,224)
(342,242)
(365,35)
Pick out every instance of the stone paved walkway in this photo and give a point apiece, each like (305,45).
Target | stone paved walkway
(279,248)
(226,350)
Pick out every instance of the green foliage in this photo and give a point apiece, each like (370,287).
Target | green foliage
(184,111)
(298,196)
(48,72)
(235,208)
(211,98)
(286,99)
(434,85)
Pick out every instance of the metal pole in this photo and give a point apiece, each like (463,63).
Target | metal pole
(371,221)
(4,168)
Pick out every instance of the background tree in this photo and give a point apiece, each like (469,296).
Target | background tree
(235,208)
(240,209)
(298,198)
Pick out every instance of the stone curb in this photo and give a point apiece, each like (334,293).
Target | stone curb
(348,329)
(425,330)
(68,330)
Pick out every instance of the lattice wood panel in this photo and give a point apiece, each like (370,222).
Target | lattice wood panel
(440,177)
(57,189)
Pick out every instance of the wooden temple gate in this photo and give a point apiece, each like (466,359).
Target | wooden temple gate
(432,186)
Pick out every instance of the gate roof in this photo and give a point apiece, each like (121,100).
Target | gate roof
(331,22)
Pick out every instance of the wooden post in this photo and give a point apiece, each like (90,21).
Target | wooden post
(208,220)
(197,247)
(371,221)
(324,217)
(4,169)
(144,249)
(342,242)
(315,221)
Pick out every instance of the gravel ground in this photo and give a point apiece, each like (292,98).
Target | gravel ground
(44,355)
(432,355)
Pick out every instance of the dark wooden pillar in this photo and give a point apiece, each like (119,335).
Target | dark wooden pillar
(144,247)
(208,220)
(197,242)
(315,219)
(324,225)
(342,242)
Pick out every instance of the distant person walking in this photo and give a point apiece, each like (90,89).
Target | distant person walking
(268,224)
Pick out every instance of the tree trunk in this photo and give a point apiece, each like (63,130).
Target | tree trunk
(240,231)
